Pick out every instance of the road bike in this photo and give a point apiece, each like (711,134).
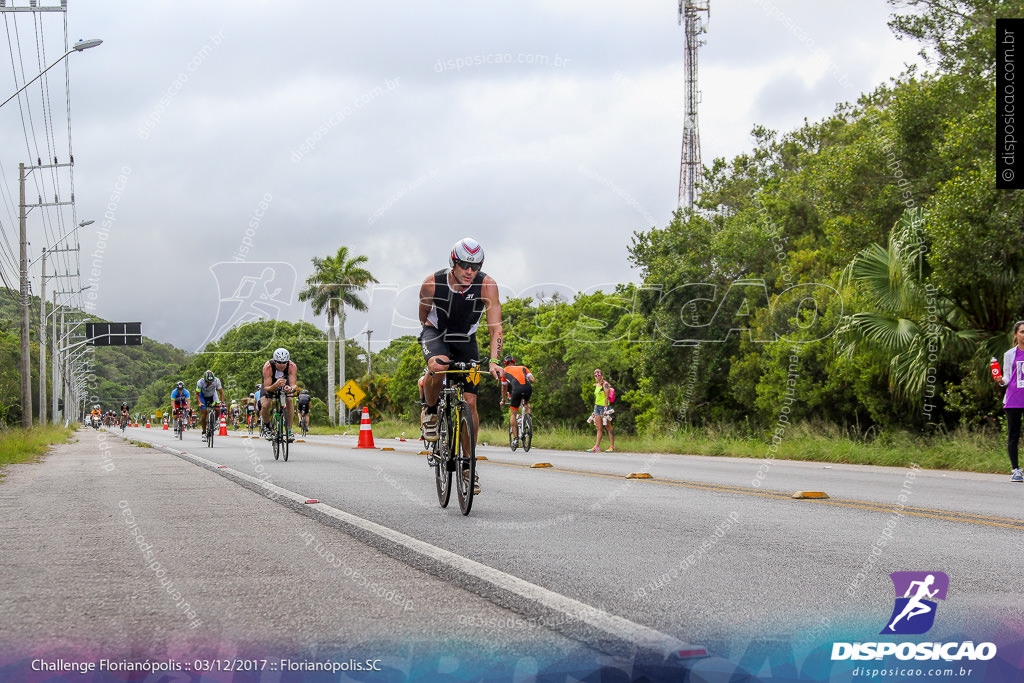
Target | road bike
(304,424)
(124,423)
(455,448)
(279,425)
(250,419)
(211,423)
(525,424)
(180,423)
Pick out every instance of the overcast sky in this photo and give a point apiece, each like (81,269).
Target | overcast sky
(220,145)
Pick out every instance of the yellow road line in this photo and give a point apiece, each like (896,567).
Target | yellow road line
(947,515)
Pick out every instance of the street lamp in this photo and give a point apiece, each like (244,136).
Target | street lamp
(78,47)
(43,316)
(26,361)
(42,346)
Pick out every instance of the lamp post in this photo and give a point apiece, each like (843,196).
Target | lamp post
(26,361)
(77,47)
(43,316)
(42,348)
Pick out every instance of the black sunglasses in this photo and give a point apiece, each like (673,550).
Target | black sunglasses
(469,266)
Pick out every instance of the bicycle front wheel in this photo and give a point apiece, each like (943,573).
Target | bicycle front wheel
(275,439)
(465,462)
(526,438)
(443,460)
(511,439)
(284,440)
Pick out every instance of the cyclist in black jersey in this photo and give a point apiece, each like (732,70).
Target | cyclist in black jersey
(452,302)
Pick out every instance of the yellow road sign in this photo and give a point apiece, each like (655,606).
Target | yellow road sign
(351,394)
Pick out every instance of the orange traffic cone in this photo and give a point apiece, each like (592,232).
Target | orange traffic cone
(223,426)
(165,423)
(365,431)
(147,423)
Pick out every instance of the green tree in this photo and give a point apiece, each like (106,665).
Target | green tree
(335,283)
(906,317)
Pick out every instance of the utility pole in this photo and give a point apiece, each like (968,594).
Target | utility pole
(26,358)
(369,358)
(26,349)
(42,343)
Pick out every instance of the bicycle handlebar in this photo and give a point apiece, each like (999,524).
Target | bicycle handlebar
(461,366)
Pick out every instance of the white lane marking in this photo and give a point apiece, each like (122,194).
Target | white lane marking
(624,629)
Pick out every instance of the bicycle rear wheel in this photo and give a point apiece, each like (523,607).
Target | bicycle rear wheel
(526,438)
(443,459)
(511,439)
(275,438)
(465,462)
(209,432)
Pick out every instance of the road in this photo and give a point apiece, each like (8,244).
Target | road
(704,552)
(697,552)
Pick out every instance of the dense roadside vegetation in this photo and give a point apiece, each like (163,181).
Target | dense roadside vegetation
(838,291)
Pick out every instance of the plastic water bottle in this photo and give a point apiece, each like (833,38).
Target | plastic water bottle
(996,374)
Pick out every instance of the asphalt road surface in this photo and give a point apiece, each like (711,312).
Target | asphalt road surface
(563,563)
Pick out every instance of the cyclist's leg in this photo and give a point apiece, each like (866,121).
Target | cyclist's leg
(264,409)
(202,413)
(516,399)
(289,414)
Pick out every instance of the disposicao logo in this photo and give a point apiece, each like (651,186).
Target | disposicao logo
(913,614)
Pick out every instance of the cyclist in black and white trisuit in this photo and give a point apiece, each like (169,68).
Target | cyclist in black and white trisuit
(452,302)
(279,374)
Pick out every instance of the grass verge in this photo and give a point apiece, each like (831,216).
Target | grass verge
(25,445)
(962,450)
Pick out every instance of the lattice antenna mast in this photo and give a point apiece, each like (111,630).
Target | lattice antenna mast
(690,168)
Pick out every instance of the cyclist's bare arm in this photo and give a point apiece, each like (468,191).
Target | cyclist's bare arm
(492,309)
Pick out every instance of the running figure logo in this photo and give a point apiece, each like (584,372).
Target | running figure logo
(248,292)
(914,612)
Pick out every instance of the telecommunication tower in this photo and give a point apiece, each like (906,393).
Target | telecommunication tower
(690,168)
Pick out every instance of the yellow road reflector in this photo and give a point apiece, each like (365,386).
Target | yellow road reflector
(638,475)
(481,457)
(810,494)
(387,449)
(541,464)
(424,452)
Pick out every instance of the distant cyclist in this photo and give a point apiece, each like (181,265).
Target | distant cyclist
(517,387)
(302,403)
(250,410)
(279,374)
(180,403)
(208,388)
(236,413)
(125,415)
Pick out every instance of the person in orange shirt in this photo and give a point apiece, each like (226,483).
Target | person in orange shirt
(517,387)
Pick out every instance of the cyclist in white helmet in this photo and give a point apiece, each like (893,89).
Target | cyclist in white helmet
(452,302)
(279,374)
(208,388)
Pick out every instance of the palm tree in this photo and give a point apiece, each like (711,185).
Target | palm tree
(907,318)
(333,285)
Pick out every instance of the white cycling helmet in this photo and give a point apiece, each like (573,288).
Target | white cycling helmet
(467,250)
(281,356)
